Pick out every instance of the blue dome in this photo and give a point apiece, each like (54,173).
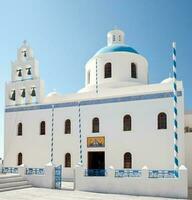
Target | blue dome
(116,48)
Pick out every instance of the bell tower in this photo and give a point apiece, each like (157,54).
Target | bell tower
(25,86)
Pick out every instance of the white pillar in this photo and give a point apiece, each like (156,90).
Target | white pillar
(111,172)
(79,172)
(50,175)
(22,170)
(183,176)
(1,166)
(145,172)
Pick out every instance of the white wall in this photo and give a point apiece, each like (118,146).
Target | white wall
(148,145)
(66,143)
(34,147)
(121,71)
(188,147)
(144,186)
(44,181)
(47,180)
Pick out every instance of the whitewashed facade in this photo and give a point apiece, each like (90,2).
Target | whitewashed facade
(111,92)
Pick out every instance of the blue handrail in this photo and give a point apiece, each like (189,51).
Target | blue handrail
(127,173)
(95,172)
(35,171)
(12,170)
(162,173)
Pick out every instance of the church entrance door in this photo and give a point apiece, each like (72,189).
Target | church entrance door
(96,163)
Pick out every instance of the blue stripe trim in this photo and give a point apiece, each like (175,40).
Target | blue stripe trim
(175,99)
(175,110)
(176,137)
(176,148)
(175,123)
(176,162)
(174,51)
(175,86)
(97,101)
(176,174)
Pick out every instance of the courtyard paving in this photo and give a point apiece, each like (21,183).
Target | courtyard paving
(48,194)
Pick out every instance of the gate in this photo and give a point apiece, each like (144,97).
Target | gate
(58,177)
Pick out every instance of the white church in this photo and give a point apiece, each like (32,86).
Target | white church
(118,119)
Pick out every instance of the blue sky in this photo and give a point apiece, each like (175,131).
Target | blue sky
(66,33)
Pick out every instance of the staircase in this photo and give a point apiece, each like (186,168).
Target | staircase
(13,182)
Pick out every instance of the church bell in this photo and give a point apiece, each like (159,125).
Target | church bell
(28,70)
(23,93)
(12,97)
(33,93)
(19,72)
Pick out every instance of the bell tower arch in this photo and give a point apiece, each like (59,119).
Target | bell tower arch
(25,86)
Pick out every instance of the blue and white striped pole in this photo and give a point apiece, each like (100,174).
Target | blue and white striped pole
(80,136)
(52,131)
(96,75)
(176,161)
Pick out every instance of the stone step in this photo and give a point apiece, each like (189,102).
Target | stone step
(3,176)
(15,188)
(13,184)
(11,179)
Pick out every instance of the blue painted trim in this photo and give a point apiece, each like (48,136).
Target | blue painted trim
(161,174)
(35,171)
(116,48)
(127,173)
(95,102)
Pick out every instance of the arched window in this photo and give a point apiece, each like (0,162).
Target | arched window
(127,160)
(20,129)
(88,77)
(119,38)
(133,70)
(42,128)
(162,121)
(127,123)
(20,159)
(95,125)
(67,126)
(67,160)
(113,38)
(107,70)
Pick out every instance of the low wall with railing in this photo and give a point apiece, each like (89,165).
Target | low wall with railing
(144,182)
(37,177)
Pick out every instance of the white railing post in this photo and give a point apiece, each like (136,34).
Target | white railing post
(183,176)
(22,170)
(111,172)
(1,166)
(50,175)
(145,172)
(79,175)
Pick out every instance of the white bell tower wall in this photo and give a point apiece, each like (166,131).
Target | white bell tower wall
(25,86)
